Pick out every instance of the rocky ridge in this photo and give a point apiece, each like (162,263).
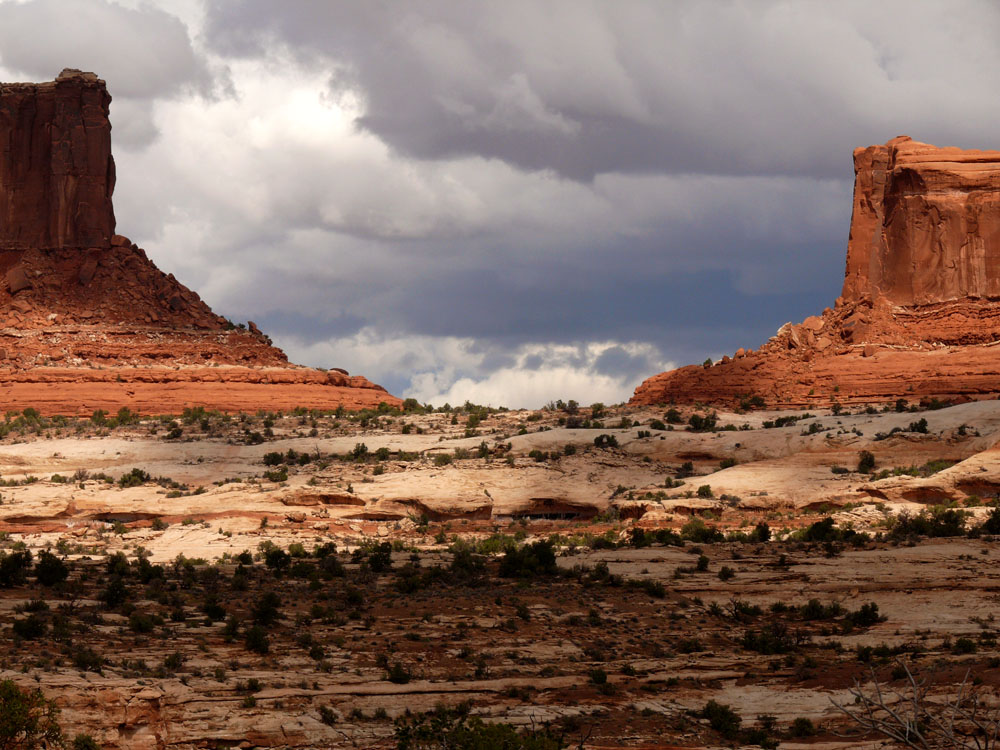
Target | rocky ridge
(87,321)
(919,314)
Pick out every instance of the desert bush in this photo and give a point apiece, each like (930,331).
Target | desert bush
(134,478)
(606,441)
(84,742)
(398,674)
(267,609)
(454,728)
(938,522)
(774,638)
(256,640)
(31,627)
(28,719)
(277,559)
(722,719)
(538,558)
(698,532)
(50,570)
(703,423)
(802,727)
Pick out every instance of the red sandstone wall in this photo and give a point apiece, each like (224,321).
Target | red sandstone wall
(919,315)
(56,170)
(926,224)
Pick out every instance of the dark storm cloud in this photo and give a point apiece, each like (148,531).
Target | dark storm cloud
(757,252)
(585,88)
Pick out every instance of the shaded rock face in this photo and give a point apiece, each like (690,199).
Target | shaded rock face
(919,315)
(56,170)
(87,321)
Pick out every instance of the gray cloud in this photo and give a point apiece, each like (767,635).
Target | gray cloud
(588,87)
(144,52)
(524,198)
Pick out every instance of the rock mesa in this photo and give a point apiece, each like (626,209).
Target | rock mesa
(919,314)
(87,321)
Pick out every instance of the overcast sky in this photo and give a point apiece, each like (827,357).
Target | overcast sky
(510,201)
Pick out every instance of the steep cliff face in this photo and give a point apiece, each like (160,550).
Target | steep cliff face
(919,315)
(926,224)
(56,170)
(86,319)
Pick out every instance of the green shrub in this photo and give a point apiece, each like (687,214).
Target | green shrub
(606,441)
(992,523)
(50,570)
(256,640)
(964,646)
(528,561)
(277,475)
(698,532)
(267,609)
(455,728)
(398,674)
(274,458)
(31,627)
(722,719)
(140,622)
(277,559)
(134,478)
(938,522)
(14,568)
(771,639)
(802,727)
(700,423)
(866,616)
(84,742)
(27,719)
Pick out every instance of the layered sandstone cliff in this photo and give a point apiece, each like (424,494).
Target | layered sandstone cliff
(87,321)
(919,315)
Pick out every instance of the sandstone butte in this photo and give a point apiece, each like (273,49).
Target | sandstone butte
(919,314)
(87,321)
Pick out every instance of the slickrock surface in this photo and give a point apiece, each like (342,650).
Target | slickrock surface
(146,644)
(919,315)
(87,321)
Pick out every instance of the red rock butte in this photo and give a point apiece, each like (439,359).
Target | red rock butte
(86,320)
(919,315)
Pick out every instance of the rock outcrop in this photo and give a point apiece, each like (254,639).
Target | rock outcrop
(57,173)
(919,314)
(87,321)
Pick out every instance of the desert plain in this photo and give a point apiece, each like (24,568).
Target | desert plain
(605,575)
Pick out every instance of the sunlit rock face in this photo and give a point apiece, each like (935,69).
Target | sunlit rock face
(919,314)
(926,224)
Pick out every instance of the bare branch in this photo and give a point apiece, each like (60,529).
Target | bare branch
(912,718)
